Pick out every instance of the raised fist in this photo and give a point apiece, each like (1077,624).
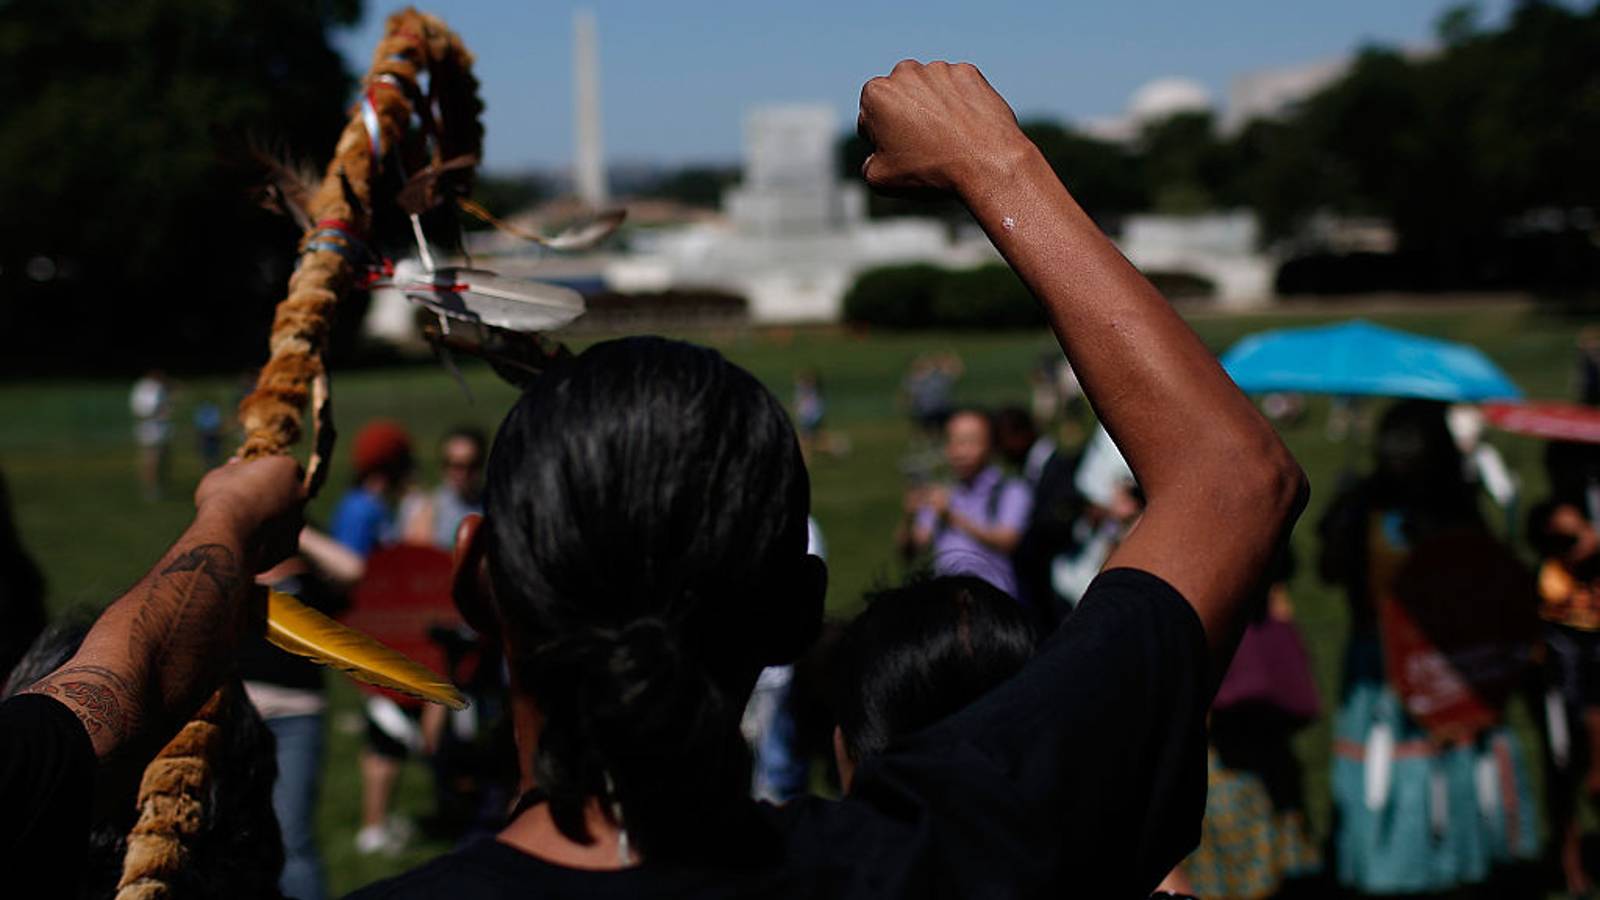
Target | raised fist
(937,127)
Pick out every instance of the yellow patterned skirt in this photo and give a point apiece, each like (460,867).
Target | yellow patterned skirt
(1247,848)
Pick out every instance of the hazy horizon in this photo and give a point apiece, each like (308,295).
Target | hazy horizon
(666,99)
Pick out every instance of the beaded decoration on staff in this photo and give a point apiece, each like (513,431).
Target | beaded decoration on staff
(396,122)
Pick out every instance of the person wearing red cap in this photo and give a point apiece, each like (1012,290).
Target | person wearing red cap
(365,520)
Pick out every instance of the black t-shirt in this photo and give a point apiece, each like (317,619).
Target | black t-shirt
(1083,776)
(47,771)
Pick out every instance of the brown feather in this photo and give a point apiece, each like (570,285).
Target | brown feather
(289,186)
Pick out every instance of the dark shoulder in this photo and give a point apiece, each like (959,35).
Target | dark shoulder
(1123,596)
(1128,620)
(490,869)
(482,869)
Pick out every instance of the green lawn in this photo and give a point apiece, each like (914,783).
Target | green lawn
(68,455)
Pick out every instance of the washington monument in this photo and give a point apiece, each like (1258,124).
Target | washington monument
(590,171)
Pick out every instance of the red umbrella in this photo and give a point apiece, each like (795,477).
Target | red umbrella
(1546,419)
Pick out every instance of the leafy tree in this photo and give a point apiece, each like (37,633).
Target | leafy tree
(1459,149)
(1459,24)
(1185,165)
(1105,177)
(131,237)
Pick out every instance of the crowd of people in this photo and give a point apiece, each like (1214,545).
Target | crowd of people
(1089,688)
(1433,791)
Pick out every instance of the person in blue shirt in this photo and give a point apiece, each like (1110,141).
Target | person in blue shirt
(364,521)
(364,518)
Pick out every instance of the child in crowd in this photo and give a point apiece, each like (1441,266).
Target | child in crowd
(918,654)
(1569,604)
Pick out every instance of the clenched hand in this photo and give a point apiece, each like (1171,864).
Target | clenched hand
(937,127)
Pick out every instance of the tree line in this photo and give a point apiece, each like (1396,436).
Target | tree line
(133,235)
(1479,153)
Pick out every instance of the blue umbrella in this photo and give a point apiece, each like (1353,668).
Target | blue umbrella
(1359,357)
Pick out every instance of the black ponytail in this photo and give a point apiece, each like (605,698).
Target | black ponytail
(646,521)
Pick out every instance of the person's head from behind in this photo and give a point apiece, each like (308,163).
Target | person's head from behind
(1559,530)
(382,456)
(461,458)
(1014,433)
(1571,467)
(918,654)
(1418,462)
(235,850)
(645,539)
(968,443)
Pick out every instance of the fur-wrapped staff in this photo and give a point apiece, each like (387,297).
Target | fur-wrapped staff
(398,123)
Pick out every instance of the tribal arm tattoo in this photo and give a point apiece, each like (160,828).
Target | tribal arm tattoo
(155,652)
(100,697)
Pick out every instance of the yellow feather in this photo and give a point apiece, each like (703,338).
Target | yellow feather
(301,630)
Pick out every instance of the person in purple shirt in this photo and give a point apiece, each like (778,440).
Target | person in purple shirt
(972,525)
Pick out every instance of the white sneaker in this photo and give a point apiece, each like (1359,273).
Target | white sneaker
(371,839)
(389,838)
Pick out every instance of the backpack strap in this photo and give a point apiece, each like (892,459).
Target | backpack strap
(992,506)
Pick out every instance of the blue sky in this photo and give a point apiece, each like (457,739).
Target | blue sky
(676,75)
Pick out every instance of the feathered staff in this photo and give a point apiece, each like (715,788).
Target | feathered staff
(433,131)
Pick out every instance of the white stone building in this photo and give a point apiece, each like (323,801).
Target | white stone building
(795,235)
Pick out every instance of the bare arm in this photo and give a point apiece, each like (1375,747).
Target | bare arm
(914,535)
(997,537)
(338,563)
(1222,489)
(156,652)
(418,526)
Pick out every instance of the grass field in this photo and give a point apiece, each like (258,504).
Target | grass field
(66,450)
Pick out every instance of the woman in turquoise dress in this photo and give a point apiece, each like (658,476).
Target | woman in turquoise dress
(1417,810)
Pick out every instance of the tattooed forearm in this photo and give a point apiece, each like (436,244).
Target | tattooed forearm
(214,561)
(101,698)
(157,650)
(205,574)
(175,652)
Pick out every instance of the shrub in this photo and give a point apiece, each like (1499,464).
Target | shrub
(986,297)
(925,296)
(893,296)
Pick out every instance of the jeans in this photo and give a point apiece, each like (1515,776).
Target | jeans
(778,773)
(294,800)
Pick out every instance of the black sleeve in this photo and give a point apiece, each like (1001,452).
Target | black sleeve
(1083,776)
(47,770)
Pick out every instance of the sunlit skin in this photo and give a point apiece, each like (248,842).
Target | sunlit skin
(461,472)
(463,467)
